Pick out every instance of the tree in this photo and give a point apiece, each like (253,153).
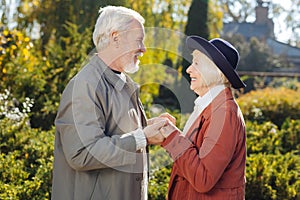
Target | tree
(290,14)
(243,11)
(215,19)
(237,11)
(196,25)
(50,18)
(256,55)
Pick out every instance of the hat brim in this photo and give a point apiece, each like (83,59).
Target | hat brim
(213,53)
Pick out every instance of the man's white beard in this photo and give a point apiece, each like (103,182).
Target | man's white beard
(132,67)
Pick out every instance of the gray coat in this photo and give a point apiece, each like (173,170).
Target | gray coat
(91,159)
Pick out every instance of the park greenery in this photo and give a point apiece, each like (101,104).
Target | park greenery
(35,70)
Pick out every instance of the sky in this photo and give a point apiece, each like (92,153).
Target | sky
(279,24)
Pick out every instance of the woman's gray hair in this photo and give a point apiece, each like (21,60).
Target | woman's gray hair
(112,18)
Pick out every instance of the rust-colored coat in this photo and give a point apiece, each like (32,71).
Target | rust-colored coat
(209,162)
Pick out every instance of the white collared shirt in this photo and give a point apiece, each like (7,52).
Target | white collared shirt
(200,104)
(122,76)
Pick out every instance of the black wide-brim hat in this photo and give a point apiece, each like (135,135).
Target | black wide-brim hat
(222,53)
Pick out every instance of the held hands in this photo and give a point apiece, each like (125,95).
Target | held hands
(152,131)
(164,115)
(159,128)
(169,117)
(168,129)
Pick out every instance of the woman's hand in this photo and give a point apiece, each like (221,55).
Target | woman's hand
(169,117)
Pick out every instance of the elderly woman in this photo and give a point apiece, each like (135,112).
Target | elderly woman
(210,154)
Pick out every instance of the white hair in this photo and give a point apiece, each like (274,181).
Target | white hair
(211,74)
(113,18)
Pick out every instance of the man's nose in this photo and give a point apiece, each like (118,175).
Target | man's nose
(143,48)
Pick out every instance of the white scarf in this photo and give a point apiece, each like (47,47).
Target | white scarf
(200,104)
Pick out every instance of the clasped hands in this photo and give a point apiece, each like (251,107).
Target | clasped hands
(159,128)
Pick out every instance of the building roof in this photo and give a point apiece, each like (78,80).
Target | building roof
(283,49)
(279,48)
(245,29)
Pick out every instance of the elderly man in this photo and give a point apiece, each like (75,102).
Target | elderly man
(100,124)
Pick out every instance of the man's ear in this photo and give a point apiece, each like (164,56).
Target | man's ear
(115,38)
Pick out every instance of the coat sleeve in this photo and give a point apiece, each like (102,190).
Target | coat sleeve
(203,167)
(80,123)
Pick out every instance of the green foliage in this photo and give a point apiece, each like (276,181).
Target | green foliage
(63,59)
(32,80)
(273,177)
(158,184)
(51,17)
(25,161)
(197,24)
(149,80)
(263,138)
(26,158)
(160,164)
(215,18)
(291,135)
(267,138)
(26,73)
(26,155)
(273,162)
(270,104)
(20,66)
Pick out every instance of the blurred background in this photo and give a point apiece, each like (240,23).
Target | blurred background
(44,43)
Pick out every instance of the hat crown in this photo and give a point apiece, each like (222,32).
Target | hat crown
(227,50)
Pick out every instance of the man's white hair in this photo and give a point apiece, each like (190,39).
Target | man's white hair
(113,19)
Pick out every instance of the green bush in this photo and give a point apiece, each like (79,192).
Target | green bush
(267,138)
(27,72)
(26,154)
(268,176)
(158,184)
(291,135)
(26,157)
(270,104)
(263,138)
(273,177)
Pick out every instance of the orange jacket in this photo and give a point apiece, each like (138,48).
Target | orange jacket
(209,162)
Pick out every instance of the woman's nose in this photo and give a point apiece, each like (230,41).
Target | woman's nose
(188,70)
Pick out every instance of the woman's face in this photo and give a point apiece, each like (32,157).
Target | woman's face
(198,84)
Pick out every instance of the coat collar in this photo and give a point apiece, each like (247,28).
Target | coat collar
(221,98)
(225,95)
(111,77)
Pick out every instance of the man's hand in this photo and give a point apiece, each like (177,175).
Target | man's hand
(152,132)
(153,120)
